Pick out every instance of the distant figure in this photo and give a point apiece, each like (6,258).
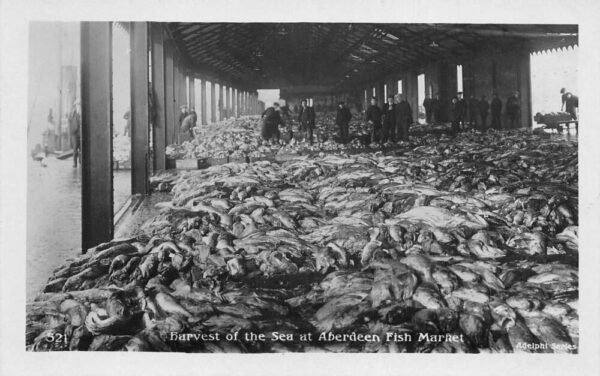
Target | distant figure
(455,115)
(436,109)
(127,117)
(182,114)
(389,120)
(403,118)
(342,119)
(270,121)
(473,111)
(428,105)
(460,110)
(572,105)
(306,117)
(373,117)
(513,110)
(74,119)
(496,108)
(188,124)
(484,108)
(563,98)
(195,115)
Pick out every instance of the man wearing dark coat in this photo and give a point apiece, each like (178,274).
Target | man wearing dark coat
(389,120)
(428,105)
(473,111)
(460,112)
(484,108)
(373,116)
(403,118)
(306,117)
(271,119)
(342,119)
(513,110)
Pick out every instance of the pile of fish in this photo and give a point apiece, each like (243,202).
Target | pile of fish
(241,137)
(457,245)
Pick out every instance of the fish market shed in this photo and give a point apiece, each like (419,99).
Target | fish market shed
(326,62)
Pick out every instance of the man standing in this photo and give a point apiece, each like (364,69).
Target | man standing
(307,120)
(270,121)
(563,98)
(484,108)
(436,108)
(389,120)
(428,105)
(373,117)
(188,124)
(473,111)
(455,116)
(460,110)
(403,118)
(342,119)
(572,105)
(513,110)
(496,112)
(75,132)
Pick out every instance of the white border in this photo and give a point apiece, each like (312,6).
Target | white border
(15,16)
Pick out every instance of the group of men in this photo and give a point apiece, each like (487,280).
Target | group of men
(475,112)
(273,117)
(390,123)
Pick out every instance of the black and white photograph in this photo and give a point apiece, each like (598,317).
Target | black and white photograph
(260,186)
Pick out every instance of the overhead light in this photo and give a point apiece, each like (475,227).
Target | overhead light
(347,76)
(433,44)
(356,70)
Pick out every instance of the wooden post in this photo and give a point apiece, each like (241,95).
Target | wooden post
(158,88)
(213,103)
(169,94)
(228,101)
(138,33)
(221,102)
(203,101)
(96,130)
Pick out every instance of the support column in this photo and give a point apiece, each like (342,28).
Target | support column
(158,94)
(221,102)
(169,94)
(525,89)
(191,93)
(203,100)
(96,131)
(176,102)
(228,101)
(213,104)
(138,33)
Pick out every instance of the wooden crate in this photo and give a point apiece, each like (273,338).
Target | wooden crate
(187,164)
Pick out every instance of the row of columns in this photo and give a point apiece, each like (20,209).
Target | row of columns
(156,95)
(231,102)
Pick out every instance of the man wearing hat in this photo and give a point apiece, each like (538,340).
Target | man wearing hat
(373,117)
(342,119)
(74,119)
(460,110)
(496,108)
(404,118)
(513,110)
(306,117)
(389,120)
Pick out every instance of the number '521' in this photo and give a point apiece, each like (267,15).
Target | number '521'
(56,338)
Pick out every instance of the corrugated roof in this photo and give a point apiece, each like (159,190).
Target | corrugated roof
(342,55)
